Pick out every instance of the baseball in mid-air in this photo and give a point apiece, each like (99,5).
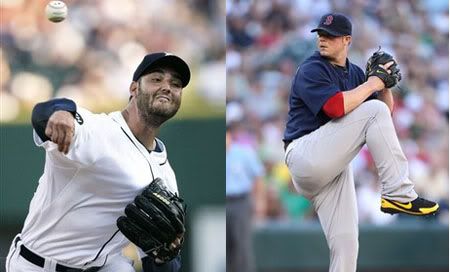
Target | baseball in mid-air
(56,11)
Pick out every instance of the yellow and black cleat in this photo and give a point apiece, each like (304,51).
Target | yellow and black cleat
(418,207)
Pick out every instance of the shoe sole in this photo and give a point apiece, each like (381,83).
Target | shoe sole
(391,208)
(395,211)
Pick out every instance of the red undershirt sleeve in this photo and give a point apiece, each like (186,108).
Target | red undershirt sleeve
(334,107)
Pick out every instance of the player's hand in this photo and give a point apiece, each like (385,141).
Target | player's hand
(378,83)
(387,66)
(175,244)
(383,66)
(177,241)
(60,129)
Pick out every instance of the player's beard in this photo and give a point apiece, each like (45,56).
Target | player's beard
(154,113)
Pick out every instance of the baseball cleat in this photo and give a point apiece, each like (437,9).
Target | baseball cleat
(418,207)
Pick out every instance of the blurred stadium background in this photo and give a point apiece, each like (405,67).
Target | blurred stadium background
(90,58)
(266,41)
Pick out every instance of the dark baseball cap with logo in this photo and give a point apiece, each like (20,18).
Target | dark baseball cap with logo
(159,59)
(335,24)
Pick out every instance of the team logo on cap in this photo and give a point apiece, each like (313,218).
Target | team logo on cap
(329,20)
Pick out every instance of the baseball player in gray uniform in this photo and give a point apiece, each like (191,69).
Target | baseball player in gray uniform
(334,109)
(95,165)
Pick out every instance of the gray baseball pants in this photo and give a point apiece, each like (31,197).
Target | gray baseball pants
(319,164)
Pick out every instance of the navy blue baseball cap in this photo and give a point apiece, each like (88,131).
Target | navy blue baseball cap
(154,60)
(335,24)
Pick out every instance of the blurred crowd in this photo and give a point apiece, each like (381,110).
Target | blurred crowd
(267,40)
(91,56)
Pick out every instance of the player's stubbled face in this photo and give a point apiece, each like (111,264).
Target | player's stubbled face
(159,94)
(328,45)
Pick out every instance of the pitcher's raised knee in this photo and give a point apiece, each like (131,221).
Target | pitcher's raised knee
(376,106)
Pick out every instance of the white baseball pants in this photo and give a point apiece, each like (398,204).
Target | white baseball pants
(16,263)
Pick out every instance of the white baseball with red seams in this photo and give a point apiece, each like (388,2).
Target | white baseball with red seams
(56,11)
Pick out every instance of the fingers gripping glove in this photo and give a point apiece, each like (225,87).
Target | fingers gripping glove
(154,221)
(373,68)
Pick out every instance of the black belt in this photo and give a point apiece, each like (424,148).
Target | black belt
(39,261)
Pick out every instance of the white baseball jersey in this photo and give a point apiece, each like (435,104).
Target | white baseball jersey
(72,216)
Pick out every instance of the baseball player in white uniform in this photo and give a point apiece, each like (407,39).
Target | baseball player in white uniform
(95,165)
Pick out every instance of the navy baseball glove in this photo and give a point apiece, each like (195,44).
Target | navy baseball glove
(155,222)
(373,68)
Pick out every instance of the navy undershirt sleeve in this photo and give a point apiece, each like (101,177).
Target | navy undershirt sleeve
(149,265)
(42,112)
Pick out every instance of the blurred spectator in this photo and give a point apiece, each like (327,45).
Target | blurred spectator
(244,197)
(88,56)
(267,40)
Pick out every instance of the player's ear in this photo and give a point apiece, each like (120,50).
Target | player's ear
(133,89)
(348,39)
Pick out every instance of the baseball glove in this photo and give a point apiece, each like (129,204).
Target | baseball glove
(373,68)
(154,221)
